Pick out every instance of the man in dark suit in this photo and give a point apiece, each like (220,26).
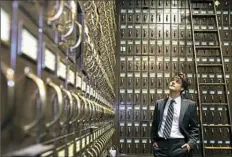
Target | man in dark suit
(174,131)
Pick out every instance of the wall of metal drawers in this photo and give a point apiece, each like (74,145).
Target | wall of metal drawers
(56,90)
(154,42)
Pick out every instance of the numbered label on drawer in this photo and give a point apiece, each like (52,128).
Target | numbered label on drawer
(71,77)
(29,45)
(78,81)
(136,140)
(129,141)
(144,140)
(61,70)
(87,140)
(78,146)
(83,142)
(83,86)
(61,152)
(70,150)
(5,26)
(50,60)
(121,140)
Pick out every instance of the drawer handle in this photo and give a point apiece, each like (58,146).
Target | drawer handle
(9,75)
(58,14)
(78,108)
(80,36)
(42,94)
(60,102)
(88,103)
(70,103)
(83,106)
(72,22)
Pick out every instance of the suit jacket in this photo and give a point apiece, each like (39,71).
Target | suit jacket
(188,120)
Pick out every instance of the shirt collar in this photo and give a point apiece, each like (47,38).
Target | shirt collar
(177,99)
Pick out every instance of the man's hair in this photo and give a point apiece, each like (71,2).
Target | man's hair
(184,80)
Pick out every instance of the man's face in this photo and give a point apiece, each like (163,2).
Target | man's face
(176,84)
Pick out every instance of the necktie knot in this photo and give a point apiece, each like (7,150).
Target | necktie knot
(172,101)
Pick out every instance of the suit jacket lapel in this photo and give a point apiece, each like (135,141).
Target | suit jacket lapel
(183,109)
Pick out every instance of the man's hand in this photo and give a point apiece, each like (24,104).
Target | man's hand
(155,144)
(186,146)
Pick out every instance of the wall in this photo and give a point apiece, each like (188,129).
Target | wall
(154,42)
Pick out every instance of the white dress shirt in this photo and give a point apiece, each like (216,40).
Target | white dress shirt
(175,131)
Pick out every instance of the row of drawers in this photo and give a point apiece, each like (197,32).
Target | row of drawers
(135,146)
(144,113)
(81,145)
(168,32)
(218,96)
(171,3)
(174,16)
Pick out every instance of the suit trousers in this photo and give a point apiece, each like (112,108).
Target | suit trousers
(171,148)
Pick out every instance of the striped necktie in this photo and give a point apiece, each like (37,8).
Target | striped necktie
(169,119)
